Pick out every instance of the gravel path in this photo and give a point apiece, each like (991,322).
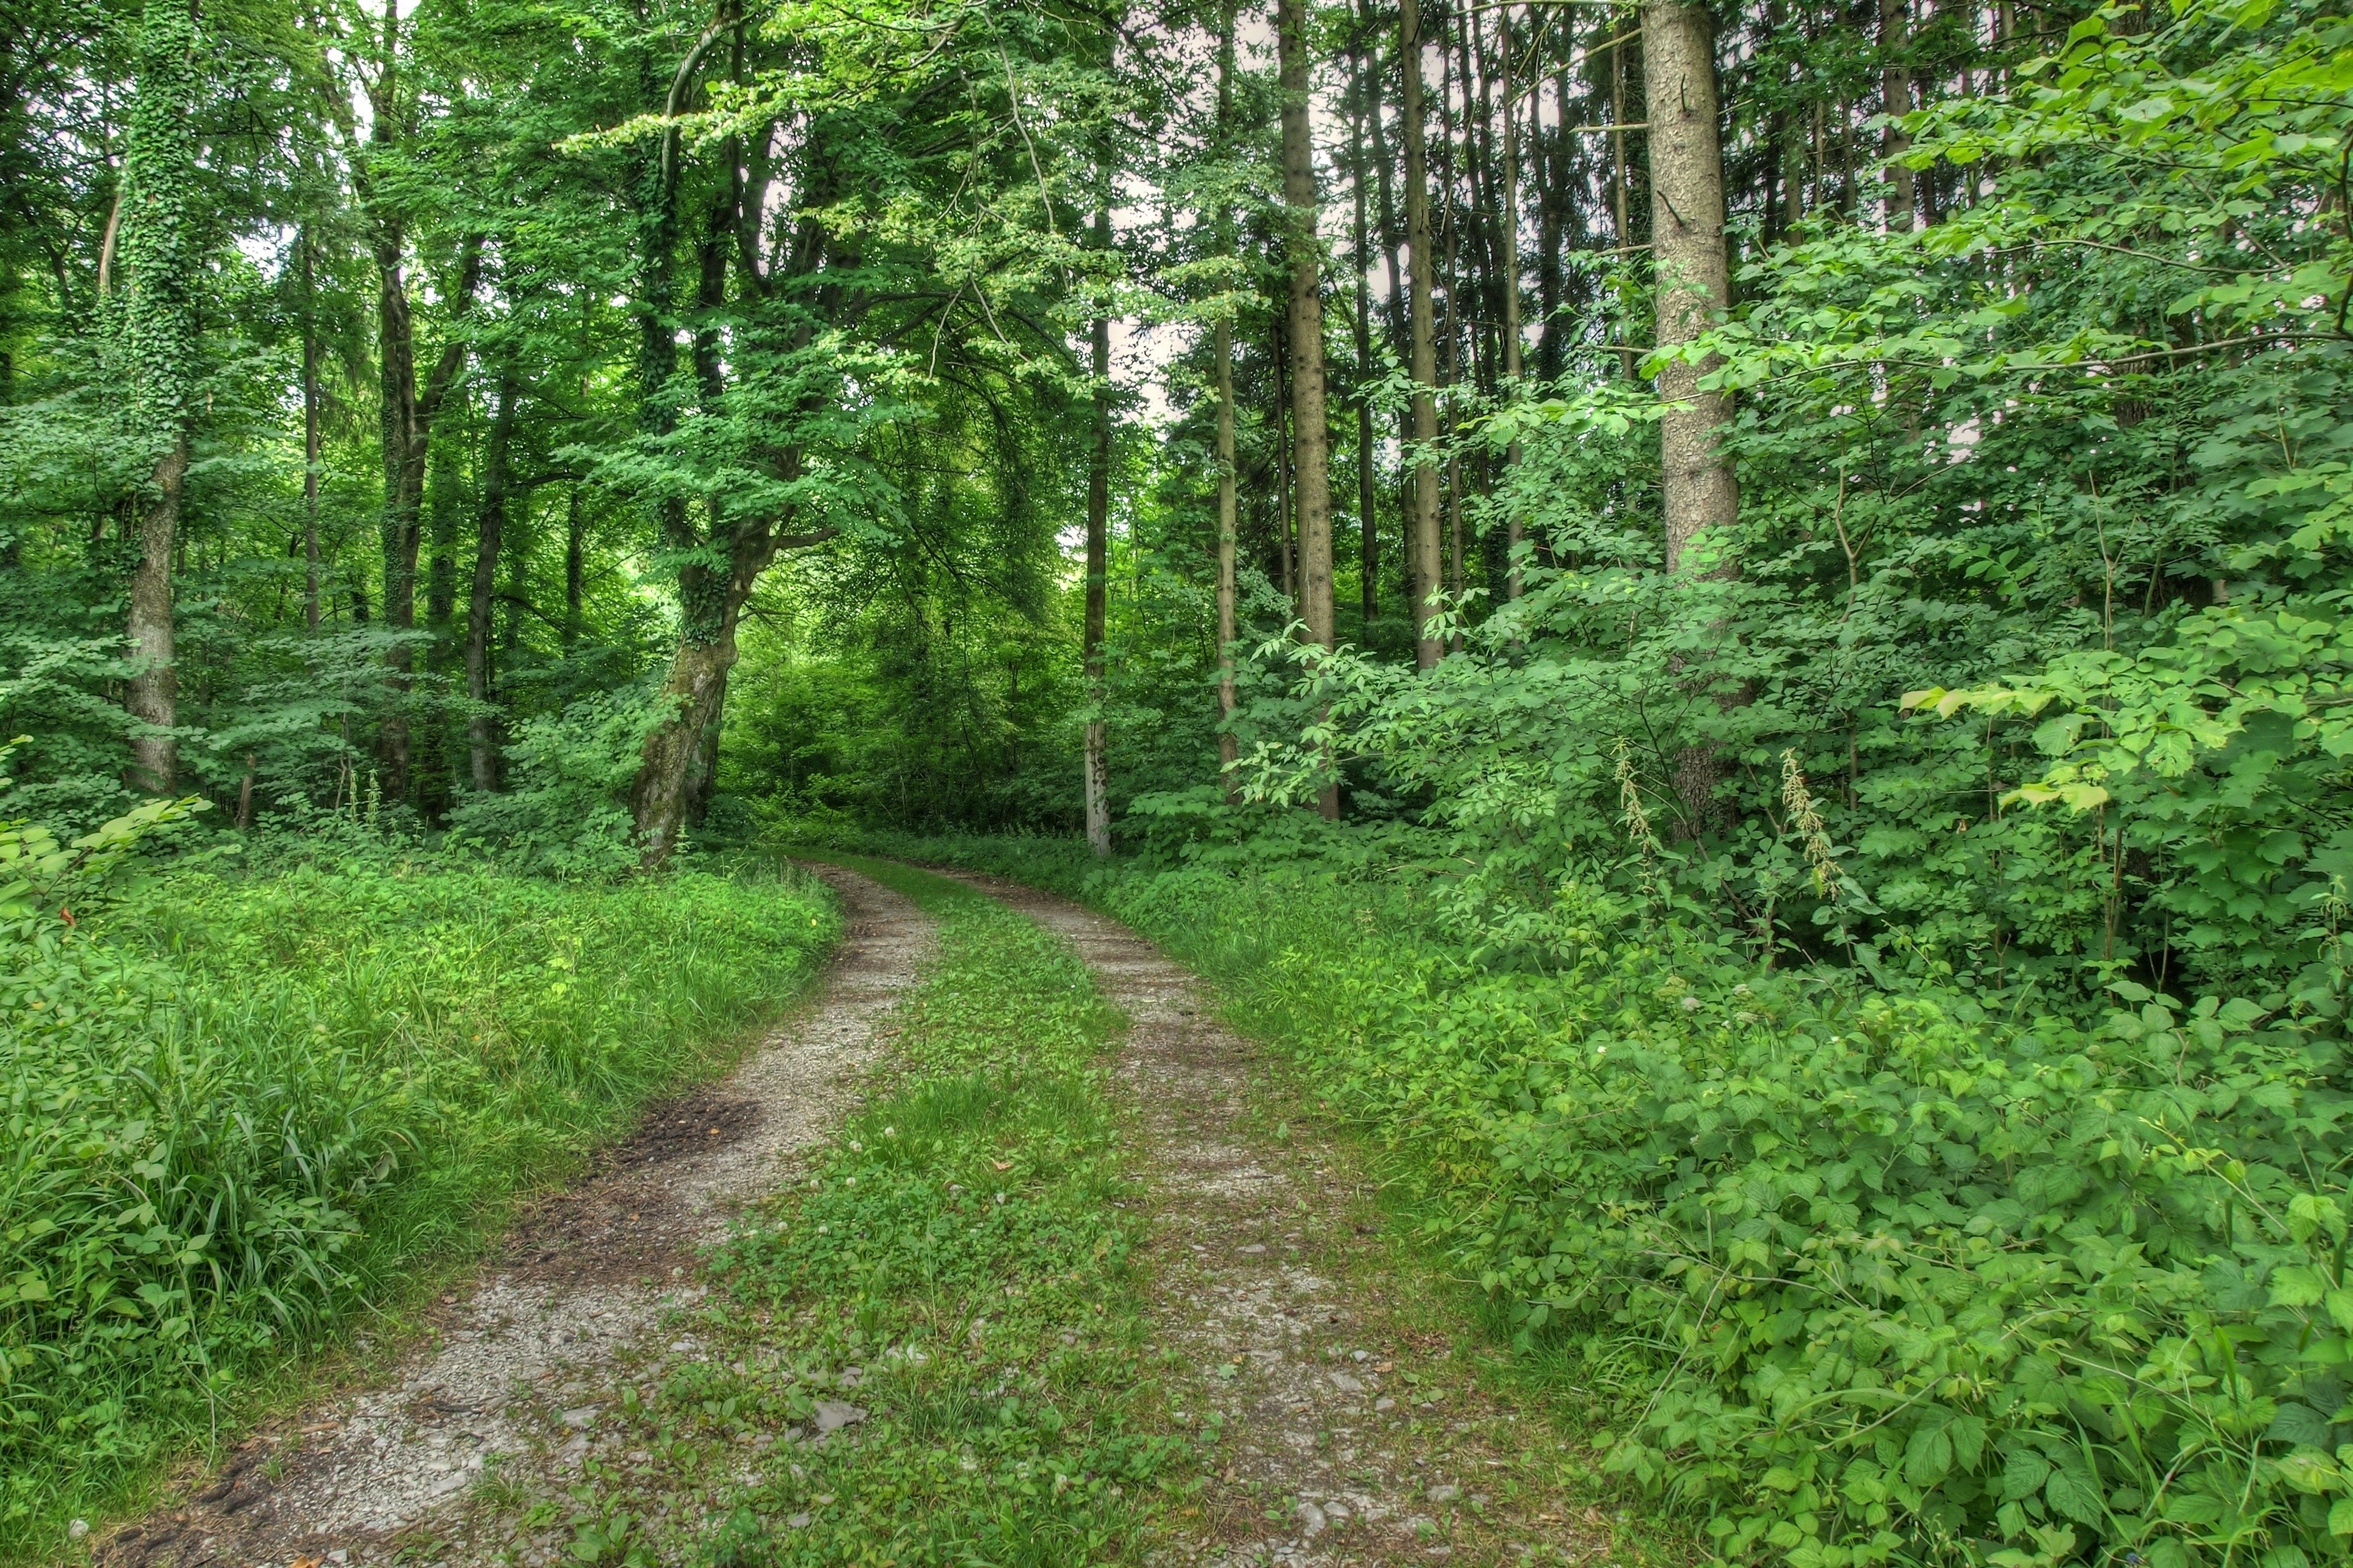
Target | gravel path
(1359,1431)
(585,1276)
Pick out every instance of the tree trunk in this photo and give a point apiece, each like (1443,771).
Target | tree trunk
(151,696)
(481,720)
(576,560)
(1895,89)
(1311,435)
(1511,269)
(1369,537)
(1222,336)
(1688,257)
(1423,547)
(159,253)
(1096,761)
(703,775)
(1222,351)
(1283,465)
(311,437)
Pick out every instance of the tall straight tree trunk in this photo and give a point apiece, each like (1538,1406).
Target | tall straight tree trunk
(1511,267)
(1284,467)
(1311,435)
(1222,336)
(1222,350)
(1691,268)
(1369,537)
(481,720)
(396,407)
(1422,540)
(159,252)
(311,437)
(1097,762)
(1896,92)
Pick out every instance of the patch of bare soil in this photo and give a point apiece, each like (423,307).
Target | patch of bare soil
(1359,1429)
(587,1273)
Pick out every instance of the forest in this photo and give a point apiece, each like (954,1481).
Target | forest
(1722,625)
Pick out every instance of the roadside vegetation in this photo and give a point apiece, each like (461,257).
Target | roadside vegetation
(1857,1264)
(932,1348)
(247,1099)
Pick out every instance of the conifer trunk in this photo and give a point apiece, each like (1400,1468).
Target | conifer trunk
(1895,89)
(1420,331)
(1688,255)
(1511,269)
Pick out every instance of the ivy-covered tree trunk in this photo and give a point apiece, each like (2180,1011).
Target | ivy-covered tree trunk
(161,257)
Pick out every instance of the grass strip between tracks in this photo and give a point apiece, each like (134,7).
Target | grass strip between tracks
(933,1348)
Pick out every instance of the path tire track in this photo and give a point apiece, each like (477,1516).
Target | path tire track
(1353,1437)
(586,1273)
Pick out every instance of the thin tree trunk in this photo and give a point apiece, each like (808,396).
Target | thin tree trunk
(576,557)
(1222,336)
(1368,533)
(1510,248)
(1284,468)
(1097,762)
(1422,544)
(1222,347)
(1688,254)
(1312,439)
(481,720)
(311,437)
(1895,89)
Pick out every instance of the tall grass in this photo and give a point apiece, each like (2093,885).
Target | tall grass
(238,1107)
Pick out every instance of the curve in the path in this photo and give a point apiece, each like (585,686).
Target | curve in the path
(1337,1457)
(584,1274)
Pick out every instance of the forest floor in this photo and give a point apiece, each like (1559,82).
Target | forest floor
(1232,1358)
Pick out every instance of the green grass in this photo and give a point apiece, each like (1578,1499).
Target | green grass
(965,1247)
(238,1111)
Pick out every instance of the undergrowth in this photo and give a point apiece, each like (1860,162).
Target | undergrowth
(956,1272)
(236,1107)
(1873,1274)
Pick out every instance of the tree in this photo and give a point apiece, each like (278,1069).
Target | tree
(162,259)
(1691,268)
(1422,458)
